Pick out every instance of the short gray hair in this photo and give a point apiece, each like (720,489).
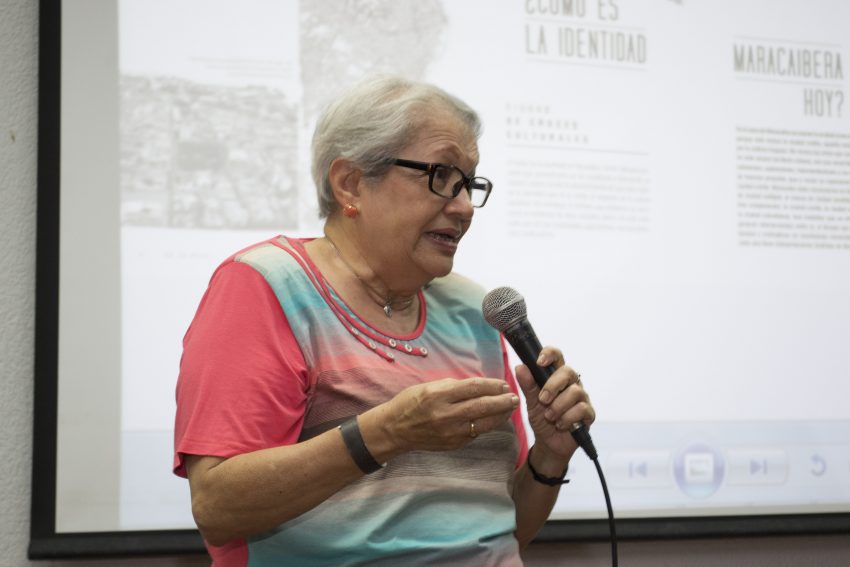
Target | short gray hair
(374,121)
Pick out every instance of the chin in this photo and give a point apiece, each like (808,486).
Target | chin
(444,269)
(434,264)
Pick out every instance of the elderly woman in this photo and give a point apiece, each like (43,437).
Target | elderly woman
(341,400)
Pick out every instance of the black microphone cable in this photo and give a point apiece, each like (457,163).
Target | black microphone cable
(582,437)
(611,528)
(504,309)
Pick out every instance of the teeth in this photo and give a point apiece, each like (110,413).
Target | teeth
(440,236)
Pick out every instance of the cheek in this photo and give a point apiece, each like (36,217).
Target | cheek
(412,219)
(398,233)
(399,227)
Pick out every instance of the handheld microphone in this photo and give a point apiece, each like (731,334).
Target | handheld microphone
(504,309)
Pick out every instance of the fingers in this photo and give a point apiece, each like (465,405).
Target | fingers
(447,414)
(481,405)
(571,406)
(470,388)
(474,427)
(527,384)
(562,401)
(477,398)
(550,355)
(496,402)
(562,379)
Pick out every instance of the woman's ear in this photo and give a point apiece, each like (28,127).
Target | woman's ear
(344,177)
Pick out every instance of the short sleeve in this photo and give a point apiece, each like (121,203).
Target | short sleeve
(243,381)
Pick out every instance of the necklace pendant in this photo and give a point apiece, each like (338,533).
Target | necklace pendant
(388,309)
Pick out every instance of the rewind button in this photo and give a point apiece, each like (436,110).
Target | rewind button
(639,469)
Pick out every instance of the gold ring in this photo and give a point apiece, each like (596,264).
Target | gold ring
(472,432)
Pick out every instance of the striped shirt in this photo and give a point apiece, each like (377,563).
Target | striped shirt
(274,357)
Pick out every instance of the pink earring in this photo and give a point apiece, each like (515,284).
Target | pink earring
(350,211)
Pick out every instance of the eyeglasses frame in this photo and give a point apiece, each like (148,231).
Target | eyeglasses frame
(431,168)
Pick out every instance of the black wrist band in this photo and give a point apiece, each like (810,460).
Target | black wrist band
(547,480)
(357,448)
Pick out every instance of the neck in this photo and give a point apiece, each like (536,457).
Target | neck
(350,259)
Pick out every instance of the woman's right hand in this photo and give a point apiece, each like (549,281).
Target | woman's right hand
(437,416)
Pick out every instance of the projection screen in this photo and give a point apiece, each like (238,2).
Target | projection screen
(671,196)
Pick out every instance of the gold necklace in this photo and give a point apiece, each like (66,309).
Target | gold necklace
(389,302)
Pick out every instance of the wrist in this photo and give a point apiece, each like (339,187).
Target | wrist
(356,446)
(547,463)
(377,435)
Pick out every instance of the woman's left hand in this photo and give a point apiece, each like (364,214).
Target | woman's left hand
(553,409)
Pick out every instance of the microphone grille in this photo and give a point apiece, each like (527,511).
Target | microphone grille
(503,307)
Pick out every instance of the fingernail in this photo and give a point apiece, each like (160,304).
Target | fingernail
(505,388)
(545,397)
(541,360)
(515,400)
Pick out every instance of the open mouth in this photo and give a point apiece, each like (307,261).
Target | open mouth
(444,237)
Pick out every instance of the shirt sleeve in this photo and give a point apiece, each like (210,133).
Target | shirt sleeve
(516,417)
(243,381)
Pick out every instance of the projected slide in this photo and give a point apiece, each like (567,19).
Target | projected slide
(671,196)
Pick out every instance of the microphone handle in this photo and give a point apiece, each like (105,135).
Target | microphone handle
(524,341)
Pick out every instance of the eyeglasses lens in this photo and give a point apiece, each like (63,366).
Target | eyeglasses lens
(447,181)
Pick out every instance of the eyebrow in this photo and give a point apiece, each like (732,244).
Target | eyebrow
(457,158)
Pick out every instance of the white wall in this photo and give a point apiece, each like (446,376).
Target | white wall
(18,143)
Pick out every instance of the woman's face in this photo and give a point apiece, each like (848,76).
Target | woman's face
(410,234)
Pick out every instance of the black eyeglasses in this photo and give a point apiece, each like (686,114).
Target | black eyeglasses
(448,180)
